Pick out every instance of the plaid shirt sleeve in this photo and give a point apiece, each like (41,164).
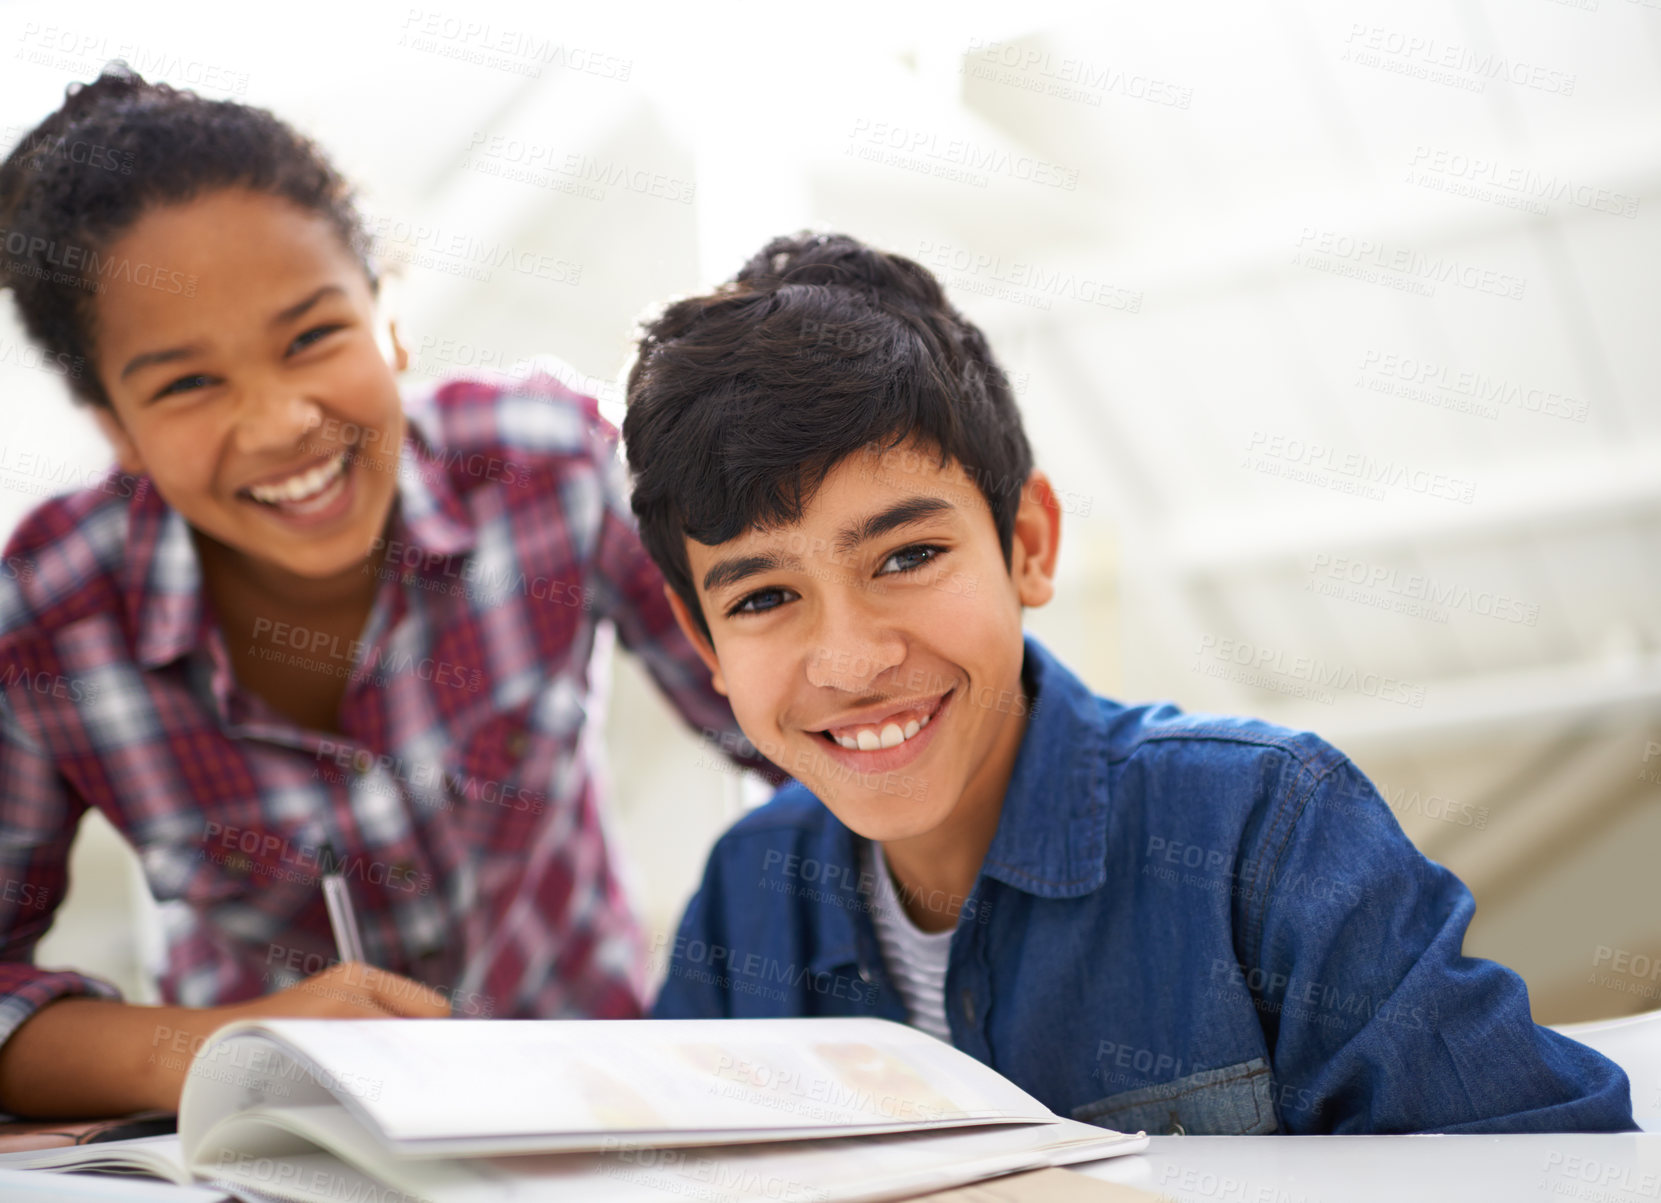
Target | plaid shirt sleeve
(38,818)
(630,593)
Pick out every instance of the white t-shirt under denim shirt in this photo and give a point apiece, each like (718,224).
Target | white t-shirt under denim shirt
(916,959)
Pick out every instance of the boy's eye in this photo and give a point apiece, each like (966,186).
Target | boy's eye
(909,559)
(314,335)
(760,602)
(184,384)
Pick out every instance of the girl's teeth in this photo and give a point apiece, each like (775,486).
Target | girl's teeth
(298,488)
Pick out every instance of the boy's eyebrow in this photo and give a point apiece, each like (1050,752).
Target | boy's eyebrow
(726,572)
(902,513)
(294,311)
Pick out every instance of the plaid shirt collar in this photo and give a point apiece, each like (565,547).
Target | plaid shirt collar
(164,574)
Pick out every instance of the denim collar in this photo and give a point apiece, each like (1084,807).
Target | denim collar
(1051,840)
(1052,835)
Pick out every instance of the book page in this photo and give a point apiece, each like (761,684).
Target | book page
(93,1188)
(819,1171)
(22,1136)
(565,1084)
(312,1151)
(893,1166)
(1043,1186)
(157,1156)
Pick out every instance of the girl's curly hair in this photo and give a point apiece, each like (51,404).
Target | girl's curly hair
(116,147)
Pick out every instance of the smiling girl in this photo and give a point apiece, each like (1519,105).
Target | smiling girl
(296,631)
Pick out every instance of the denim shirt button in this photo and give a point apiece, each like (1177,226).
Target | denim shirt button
(968,1006)
(864,975)
(1176,1129)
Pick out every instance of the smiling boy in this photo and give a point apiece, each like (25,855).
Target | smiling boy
(1147,919)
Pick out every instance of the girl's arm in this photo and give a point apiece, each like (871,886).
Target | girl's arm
(71,1048)
(92,1057)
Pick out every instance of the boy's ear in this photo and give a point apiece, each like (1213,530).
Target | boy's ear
(126,454)
(1037,541)
(689,626)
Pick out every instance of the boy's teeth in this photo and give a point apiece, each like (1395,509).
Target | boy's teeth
(892,735)
(302,485)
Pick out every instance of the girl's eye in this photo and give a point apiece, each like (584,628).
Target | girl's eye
(910,559)
(314,335)
(760,602)
(184,384)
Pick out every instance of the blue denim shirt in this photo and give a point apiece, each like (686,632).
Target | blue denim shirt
(1185,923)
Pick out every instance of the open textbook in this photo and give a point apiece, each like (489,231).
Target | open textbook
(439,1111)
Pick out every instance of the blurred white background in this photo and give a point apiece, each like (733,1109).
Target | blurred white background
(1335,324)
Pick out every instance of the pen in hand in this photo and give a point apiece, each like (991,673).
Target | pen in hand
(348,943)
(390,992)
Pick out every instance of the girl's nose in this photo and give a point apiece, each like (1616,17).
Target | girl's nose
(275,420)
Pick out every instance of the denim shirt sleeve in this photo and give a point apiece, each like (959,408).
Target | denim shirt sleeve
(1366,998)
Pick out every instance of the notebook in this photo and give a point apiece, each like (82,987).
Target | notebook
(440,1111)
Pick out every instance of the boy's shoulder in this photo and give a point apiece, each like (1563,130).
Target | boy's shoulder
(66,559)
(1163,729)
(1217,780)
(1096,776)
(1070,718)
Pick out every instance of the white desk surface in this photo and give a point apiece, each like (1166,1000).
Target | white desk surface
(1399,1169)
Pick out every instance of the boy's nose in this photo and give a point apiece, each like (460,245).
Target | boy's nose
(853,649)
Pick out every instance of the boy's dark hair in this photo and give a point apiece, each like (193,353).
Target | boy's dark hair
(741,402)
(115,148)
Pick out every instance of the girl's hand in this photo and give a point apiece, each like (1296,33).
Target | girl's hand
(348,991)
(83,1058)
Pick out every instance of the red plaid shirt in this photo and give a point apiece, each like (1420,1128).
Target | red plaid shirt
(458,802)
